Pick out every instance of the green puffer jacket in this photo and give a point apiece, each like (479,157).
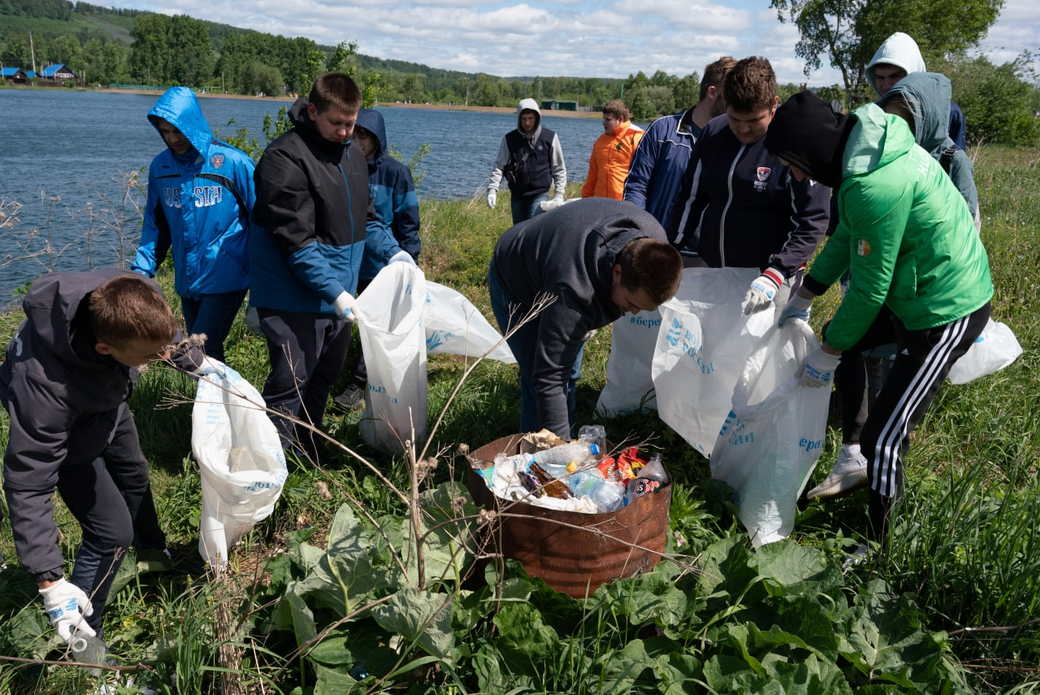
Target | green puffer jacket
(904,232)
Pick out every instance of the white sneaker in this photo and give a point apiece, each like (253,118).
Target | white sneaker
(849,473)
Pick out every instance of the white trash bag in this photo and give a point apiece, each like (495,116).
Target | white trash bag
(389,315)
(771,439)
(702,346)
(995,348)
(453,325)
(630,385)
(240,460)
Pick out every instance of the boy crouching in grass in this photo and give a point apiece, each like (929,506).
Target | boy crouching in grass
(68,374)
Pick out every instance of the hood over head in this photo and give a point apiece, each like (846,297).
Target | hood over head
(900,50)
(529,105)
(809,134)
(927,96)
(372,121)
(179,107)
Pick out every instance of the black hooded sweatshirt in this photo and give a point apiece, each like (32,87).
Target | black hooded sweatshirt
(64,400)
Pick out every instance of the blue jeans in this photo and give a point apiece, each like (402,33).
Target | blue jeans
(526,208)
(213,315)
(524,344)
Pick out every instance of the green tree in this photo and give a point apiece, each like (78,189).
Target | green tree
(345,59)
(149,53)
(847,32)
(190,54)
(687,91)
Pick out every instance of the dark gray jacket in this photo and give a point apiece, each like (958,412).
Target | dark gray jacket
(63,398)
(570,253)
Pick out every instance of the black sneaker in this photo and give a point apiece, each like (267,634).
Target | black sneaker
(352,397)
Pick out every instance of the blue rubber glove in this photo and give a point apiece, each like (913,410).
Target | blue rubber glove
(818,370)
(797,307)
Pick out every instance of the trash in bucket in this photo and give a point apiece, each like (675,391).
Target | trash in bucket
(612,522)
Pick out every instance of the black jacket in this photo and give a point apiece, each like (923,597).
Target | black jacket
(739,207)
(313,221)
(64,400)
(570,253)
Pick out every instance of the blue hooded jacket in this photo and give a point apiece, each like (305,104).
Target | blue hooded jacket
(393,195)
(655,176)
(198,204)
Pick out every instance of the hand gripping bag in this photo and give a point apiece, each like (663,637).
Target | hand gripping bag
(630,384)
(702,346)
(240,460)
(453,325)
(771,439)
(389,314)
(995,348)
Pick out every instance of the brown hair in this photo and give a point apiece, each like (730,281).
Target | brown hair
(715,75)
(652,265)
(128,308)
(335,89)
(617,109)
(750,85)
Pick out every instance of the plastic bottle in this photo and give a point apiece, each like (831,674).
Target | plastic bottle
(89,650)
(594,434)
(554,461)
(609,497)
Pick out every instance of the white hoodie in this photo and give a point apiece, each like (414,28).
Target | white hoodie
(900,50)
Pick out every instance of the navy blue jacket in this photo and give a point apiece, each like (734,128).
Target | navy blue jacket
(393,195)
(655,176)
(313,221)
(198,205)
(741,208)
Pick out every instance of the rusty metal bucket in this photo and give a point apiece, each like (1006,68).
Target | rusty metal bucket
(592,550)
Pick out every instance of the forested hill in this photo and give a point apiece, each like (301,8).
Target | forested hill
(125,46)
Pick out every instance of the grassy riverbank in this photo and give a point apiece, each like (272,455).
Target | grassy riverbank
(951,608)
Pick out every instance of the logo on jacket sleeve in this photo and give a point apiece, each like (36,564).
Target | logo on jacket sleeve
(761,178)
(863,247)
(217,161)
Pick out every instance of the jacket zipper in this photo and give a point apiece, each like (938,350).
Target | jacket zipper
(725,209)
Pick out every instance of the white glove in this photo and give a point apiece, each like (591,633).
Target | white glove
(345,305)
(401,257)
(819,367)
(762,291)
(797,307)
(66,605)
(492,196)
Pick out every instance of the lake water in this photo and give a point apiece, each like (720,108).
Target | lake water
(64,156)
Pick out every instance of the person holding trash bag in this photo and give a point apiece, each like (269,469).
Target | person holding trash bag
(598,258)
(313,222)
(65,381)
(396,205)
(908,240)
(922,100)
(530,158)
(200,193)
(739,207)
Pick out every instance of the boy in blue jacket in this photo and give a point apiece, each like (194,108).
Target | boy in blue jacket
(200,193)
(396,205)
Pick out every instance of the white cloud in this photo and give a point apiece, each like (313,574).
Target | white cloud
(583,38)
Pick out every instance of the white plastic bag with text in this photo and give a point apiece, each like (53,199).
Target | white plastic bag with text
(453,325)
(240,459)
(630,384)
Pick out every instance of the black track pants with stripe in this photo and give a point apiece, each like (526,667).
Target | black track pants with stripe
(922,361)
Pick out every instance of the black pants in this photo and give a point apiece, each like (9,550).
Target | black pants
(112,499)
(306,353)
(923,359)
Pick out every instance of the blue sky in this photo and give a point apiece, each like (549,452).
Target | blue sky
(608,38)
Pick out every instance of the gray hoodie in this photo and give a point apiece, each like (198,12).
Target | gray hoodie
(559,168)
(927,94)
(900,50)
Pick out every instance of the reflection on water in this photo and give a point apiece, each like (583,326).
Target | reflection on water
(66,157)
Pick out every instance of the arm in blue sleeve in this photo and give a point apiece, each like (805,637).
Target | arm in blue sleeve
(380,245)
(406,215)
(642,169)
(310,267)
(155,235)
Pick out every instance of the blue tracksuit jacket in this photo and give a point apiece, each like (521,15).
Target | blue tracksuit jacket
(655,176)
(192,206)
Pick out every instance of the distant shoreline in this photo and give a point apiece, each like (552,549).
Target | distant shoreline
(288,100)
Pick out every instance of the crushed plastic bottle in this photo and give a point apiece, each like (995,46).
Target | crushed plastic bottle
(555,460)
(654,470)
(594,434)
(609,496)
(89,649)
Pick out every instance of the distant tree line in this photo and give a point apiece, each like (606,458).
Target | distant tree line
(999,101)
